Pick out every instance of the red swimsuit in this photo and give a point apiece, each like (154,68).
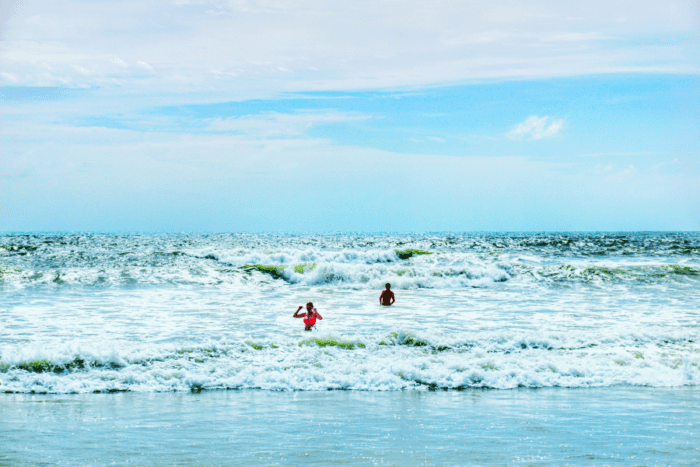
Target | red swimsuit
(310,321)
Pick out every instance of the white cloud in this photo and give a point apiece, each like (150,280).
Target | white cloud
(82,70)
(268,46)
(535,127)
(119,61)
(8,77)
(145,66)
(275,124)
(435,139)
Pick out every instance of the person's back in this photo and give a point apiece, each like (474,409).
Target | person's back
(387,296)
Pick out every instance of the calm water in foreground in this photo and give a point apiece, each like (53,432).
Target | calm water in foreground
(601,426)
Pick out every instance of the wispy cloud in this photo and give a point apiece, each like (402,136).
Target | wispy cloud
(312,45)
(535,127)
(276,124)
(173,181)
(145,66)
(8,77)
(435,139)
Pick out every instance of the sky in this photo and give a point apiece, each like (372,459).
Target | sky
(381,116)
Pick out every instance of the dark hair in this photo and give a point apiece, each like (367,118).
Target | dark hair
(388,285)
(312,305)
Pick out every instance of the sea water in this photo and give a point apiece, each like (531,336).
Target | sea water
(82,314)
(524,427)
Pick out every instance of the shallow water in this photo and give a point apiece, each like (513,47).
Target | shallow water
(563,427)
(89,313)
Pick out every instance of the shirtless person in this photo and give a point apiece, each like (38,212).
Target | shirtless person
(309,317)
(387,296)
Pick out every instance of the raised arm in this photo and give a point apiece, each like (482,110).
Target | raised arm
(297,315)
(318,315)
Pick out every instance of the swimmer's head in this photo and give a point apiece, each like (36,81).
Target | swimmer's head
(388,286)
(309,306)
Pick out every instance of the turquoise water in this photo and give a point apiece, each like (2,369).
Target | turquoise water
(501,349)
(562,427)
(156,313)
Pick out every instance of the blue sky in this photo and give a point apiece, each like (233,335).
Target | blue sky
(267,116)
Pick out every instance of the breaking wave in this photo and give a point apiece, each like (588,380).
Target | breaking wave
(101,313)
(400,360)
(413,261)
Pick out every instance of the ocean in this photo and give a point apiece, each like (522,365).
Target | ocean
(137,321)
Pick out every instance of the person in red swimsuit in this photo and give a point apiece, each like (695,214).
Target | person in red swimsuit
(309,317)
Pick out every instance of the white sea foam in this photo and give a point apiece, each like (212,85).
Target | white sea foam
(453,262)
(399,361)
(85,313)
